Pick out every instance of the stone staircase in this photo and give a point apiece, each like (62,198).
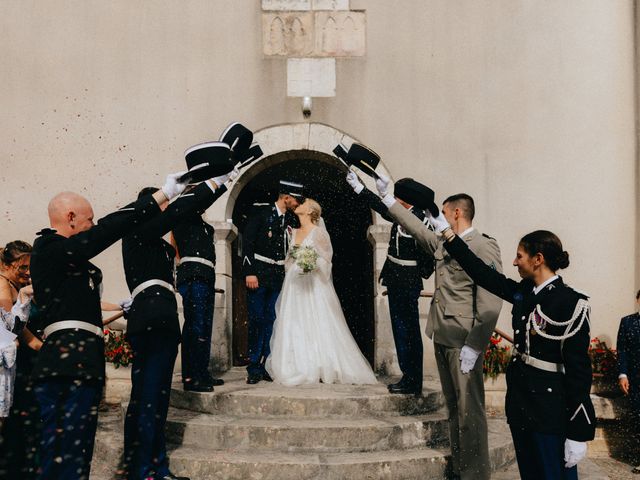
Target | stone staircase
(266,431)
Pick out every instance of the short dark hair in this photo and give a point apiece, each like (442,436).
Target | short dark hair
(464,202)
(147,191)
(549,245)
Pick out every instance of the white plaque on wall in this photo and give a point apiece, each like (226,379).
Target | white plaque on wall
(311,77)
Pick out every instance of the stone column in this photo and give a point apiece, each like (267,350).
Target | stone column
(385,358)
(221,354)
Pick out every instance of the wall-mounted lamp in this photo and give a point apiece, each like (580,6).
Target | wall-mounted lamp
(306,107)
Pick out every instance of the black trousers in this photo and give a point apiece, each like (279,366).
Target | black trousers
(405,323)
(541,455)
(154,356)
(69,416)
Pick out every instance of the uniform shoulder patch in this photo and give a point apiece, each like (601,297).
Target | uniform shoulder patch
(260,204)
(488,236)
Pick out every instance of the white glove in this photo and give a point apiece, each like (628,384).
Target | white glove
(352,179)
(382,184)
(125,304)
(172,188)
(233,174)
(439,223)
(222,179)
(574,452)
(468,358)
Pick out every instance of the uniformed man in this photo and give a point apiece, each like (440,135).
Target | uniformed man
(196,281)
(461,320)
(69,371)
(153,330)
(264,248)
(402,274)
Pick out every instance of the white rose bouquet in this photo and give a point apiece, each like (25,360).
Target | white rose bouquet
(306,258)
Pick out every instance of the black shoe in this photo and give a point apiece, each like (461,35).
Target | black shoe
(407,390)
(266,377)
(399,384)
(197,387)
(171,476)
(252,379)
(216,382)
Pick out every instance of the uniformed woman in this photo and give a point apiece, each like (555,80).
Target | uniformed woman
(548,380)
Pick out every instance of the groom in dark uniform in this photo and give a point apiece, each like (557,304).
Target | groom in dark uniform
(264,248)
(402,274)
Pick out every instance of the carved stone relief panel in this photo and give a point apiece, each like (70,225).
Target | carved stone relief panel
(287,33)
(340,34)
(314,34)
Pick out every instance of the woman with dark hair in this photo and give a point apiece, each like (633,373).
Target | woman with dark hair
(548,408)
(15,296)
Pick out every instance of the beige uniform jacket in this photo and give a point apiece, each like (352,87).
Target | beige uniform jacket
(454,320)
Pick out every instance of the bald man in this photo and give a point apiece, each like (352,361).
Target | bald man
(69,371)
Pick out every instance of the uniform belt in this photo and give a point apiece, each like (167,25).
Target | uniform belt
(539,364)
(203,261)
(73,325)
(268,260)
(404,263)
(151,283)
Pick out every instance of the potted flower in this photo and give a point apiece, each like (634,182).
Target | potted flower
(604,367)
(496,360)
(117,352)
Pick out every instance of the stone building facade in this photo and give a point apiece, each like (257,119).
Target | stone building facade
(530,107)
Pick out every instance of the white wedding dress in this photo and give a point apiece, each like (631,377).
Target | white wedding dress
(311,341)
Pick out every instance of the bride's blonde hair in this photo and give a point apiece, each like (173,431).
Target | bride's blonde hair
(315,210)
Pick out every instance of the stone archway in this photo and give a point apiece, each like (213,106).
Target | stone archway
(281,143)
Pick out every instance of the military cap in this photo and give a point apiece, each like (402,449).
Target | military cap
(293,189)
(240,138)
(207,160)
(416,194)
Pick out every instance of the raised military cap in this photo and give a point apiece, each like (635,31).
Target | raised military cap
(207,160)
(240,138)
(416,194)
(293,189)
(364,159)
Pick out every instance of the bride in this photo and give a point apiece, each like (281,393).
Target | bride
(311,341)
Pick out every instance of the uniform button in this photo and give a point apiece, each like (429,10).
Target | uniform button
(436,300)
(517,345)
(517,331)
(514,359)
(523,317)
(549,389)
(441,273)
(459,314)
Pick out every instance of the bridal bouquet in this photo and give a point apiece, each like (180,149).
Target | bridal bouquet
(306,258)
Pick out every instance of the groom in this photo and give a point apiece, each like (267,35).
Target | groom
(264,246)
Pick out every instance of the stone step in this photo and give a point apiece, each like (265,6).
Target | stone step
(238,398)
(405,464)
(313,434)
